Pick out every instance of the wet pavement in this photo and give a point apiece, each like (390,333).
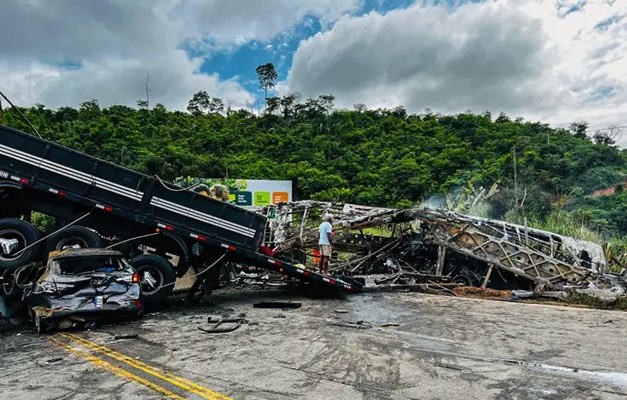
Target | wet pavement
(442,348)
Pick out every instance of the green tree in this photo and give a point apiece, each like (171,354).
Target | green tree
(579,129)
(267,76)
(202,103)
(199,103)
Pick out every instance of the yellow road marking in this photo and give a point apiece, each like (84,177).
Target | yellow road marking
(149,369)
(116,370)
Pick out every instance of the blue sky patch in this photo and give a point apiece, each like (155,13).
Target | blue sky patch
(70,65)
(603,26)
(565,7)
(601,93)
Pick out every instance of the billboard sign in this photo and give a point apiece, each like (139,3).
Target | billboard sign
(241,192)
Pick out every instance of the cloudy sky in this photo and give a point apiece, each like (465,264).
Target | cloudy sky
(557,61)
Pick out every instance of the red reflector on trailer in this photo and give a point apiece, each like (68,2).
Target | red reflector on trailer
(232,248)
(23,181)
(332,281)
(198,237)
(57,192)
(138,304)
(306,273)
(169,228)
(108,209)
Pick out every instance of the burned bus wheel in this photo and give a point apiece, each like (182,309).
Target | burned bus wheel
(462,280)
(73,237)
(15,236)
(157,278)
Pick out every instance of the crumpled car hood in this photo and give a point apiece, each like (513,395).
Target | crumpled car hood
(62,295)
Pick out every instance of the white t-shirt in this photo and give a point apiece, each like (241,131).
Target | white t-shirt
(324,229)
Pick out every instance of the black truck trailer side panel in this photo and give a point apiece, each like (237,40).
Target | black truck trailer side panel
(143,197)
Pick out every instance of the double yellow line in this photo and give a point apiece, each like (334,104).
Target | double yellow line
(158,373)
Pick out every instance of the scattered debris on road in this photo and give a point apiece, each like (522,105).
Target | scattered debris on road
(126,336)
(278,304)
(231,324)
(356,325)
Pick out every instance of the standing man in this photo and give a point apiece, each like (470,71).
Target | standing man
(326,239)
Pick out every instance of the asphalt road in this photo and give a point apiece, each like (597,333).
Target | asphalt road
(442,348)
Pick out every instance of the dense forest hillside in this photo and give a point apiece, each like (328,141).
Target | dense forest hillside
(383,157)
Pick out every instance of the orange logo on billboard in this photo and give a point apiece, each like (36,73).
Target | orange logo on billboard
(280,197)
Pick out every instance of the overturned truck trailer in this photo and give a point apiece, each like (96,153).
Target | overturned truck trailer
(425,245)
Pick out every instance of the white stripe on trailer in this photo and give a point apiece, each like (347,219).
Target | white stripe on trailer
(209,219)
(15,178)
(49,165)
(100,206)
(226,246)
(70,172)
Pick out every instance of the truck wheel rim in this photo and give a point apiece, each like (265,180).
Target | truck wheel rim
(71,242)
(12,234)
(147,274)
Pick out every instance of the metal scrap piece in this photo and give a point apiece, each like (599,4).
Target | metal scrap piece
(217,325)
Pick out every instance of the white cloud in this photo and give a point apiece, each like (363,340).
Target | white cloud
(515,56)
(172,82)
(117,42)
(220,21)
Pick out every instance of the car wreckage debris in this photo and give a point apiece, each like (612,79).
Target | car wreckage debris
(75,288)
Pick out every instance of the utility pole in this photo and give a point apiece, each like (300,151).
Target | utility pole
(515,176)
(2,114)
(148,91)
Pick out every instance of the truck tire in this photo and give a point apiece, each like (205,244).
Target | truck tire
(25,234)
(71,236)
(157,278)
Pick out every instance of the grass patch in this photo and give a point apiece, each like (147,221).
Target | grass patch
(619,303)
